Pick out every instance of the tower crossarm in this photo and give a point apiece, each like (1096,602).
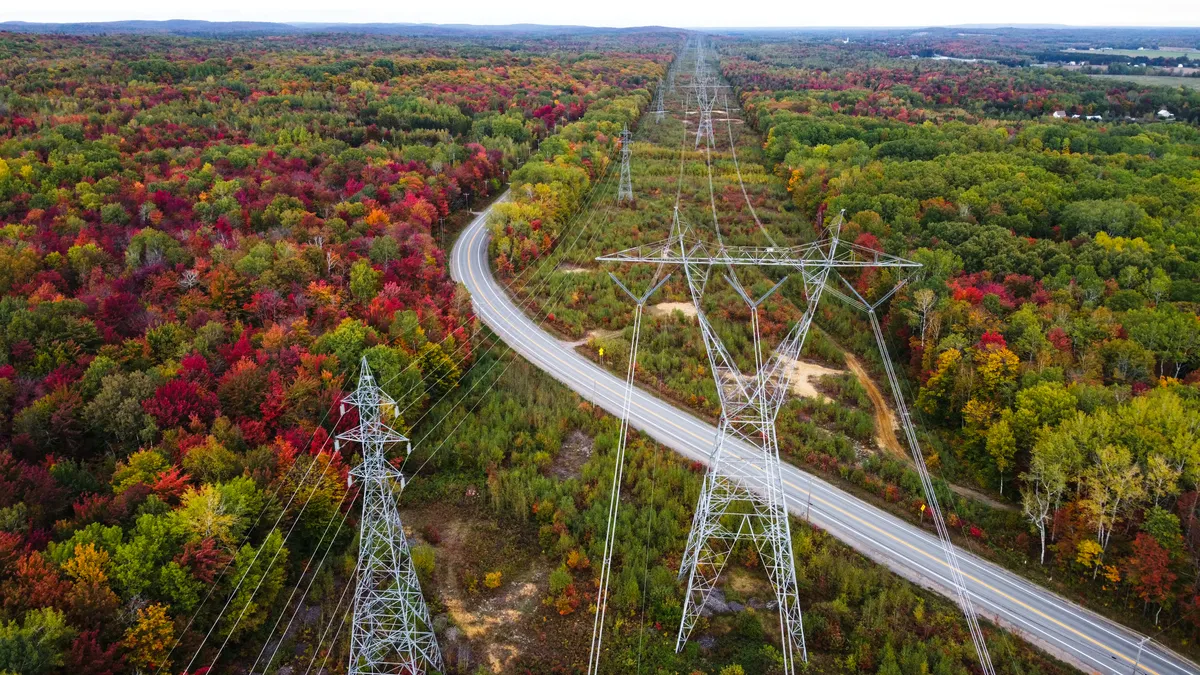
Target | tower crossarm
(804,257)
(373,431)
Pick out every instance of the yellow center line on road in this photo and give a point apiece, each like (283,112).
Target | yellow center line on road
(616,392)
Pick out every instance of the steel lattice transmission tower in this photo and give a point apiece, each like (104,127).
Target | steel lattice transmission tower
(743,496)
(659,111)
(392,632)
(706,96)
(625,189)
(704,130)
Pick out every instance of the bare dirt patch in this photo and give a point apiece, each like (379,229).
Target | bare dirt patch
(667,308)
(886,425)
(491,628)
(593,334)
(602,334)
(575,452)
(805,375)
(568,268)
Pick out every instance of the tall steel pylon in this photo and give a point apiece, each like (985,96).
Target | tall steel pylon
(704,130)
(659,111)
(625,188)
(706,95)
(743,496)
(392,632)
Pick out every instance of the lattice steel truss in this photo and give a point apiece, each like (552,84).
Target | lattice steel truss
(743,496)
(706,95)
(659,111)
(392,632)
(625,188)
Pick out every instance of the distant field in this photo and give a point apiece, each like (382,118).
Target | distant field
(1148,53)
(1155,80)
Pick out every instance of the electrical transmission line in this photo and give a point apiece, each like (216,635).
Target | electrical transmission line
(855,299)
(304,479)
(659,112)
(614,499)
(391,630)
(705,96)
(742,497)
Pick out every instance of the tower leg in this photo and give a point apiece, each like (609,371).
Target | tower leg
(392,630)
(709,546)
(775,551)
(742,498)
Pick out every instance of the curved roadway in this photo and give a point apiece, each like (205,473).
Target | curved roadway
(1085,639)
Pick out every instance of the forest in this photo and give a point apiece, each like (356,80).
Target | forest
(1052,340)
(202,237)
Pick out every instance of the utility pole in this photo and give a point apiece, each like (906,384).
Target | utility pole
(625,188)
(392,633)
(1138,663)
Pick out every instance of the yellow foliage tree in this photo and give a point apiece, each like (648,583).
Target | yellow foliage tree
(90,599)
(87,564)
(1089,554)
(934,398)
(148,642)
(996,367)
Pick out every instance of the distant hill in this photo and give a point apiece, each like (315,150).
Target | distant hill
(171,27)
(193,27)
(188,27)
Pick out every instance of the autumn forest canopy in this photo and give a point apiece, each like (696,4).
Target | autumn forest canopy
(201,237)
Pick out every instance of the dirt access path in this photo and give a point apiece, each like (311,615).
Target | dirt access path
(885,431)
(885,417)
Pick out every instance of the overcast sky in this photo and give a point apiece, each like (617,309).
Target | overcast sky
(773,13)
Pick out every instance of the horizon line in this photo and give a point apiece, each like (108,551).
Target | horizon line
(829,27)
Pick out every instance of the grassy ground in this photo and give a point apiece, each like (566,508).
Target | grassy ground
(1148,53)
(1154,80)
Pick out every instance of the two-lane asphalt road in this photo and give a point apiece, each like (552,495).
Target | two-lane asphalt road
(1087,640)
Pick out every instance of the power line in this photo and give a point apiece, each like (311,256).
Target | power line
(614,499)
(311,578)
(392,405)
(742,496)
